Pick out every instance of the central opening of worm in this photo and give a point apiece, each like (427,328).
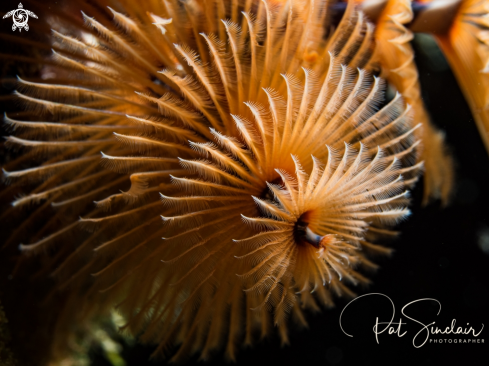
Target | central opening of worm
(303,233)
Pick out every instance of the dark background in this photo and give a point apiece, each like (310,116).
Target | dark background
(442,253)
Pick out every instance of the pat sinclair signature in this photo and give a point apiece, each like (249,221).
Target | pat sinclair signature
(423,335)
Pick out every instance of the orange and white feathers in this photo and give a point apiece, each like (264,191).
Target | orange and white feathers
(204,111)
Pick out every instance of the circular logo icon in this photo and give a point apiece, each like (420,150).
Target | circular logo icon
(20,17)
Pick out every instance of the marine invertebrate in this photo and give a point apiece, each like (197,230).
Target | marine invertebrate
(465,44)
(317,223)
(460,28)
(397,58)
(209,109)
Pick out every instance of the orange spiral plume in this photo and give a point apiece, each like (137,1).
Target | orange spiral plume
(210,168)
